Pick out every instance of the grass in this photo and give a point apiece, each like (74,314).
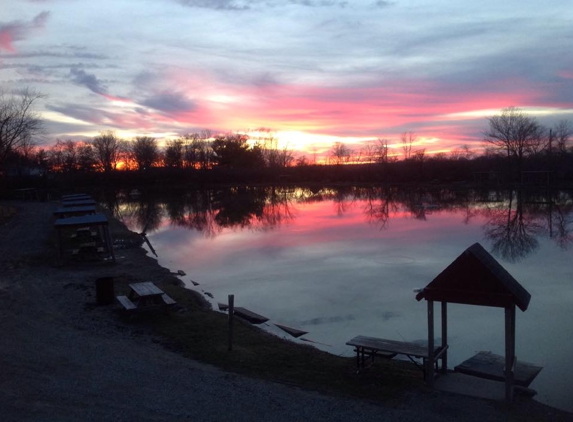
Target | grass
(6,213)
(202,334)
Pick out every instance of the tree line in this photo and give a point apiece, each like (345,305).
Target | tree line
(513,134)
(201,151)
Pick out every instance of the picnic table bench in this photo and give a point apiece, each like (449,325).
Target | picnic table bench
(78,203)
(75,197)
(75,211)
(145,296)
(369,347)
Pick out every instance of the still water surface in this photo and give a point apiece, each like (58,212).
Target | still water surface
(341,263)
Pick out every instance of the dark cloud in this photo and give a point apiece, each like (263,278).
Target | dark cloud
(250,4)
(73,55)
(124,119)
(170,102)
(90,81)
(319,3)
(16,30)
(62,130)
(382,3)
(218,4)
(83,113)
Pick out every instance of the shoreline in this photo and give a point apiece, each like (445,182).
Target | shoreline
(39,298)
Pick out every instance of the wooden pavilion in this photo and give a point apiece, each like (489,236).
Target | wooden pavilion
(476,278)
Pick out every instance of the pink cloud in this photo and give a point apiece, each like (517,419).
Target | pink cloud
(366,111)
(17,31)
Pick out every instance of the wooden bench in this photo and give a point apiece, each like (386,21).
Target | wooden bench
(83,234)
(168,299)
(370,347)
(126,303)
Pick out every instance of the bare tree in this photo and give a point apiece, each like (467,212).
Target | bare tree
(340,153)
(382,150)
(86,157)
(419,155)
(64,156)
(561,134)
(516,133)
(368,151)
(19,123)
(198,152)
(108,149)
(145,152)
(174,153)
(408,139)
(274,155)
(302,161)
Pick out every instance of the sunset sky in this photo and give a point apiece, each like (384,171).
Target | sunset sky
(313,71)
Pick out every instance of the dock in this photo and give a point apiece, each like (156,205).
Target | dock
(295,332)
(250,316)
(491,366)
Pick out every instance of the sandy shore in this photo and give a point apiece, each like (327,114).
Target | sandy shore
(63,358)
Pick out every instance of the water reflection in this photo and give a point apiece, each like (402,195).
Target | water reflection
(515,224)
(515,219)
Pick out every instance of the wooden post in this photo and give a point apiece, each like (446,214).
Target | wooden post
(231,312)
(430,361)
(108,242)
(509,351)
(445,337)
(60,247)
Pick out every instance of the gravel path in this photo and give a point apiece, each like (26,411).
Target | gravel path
(64,359)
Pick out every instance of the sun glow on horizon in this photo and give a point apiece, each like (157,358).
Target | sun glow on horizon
(315,143)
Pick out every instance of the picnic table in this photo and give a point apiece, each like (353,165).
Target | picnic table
(370,347)
(73,223)
(145,296)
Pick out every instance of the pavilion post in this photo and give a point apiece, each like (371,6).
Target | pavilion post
(444,337)
(430,361)
(509,351)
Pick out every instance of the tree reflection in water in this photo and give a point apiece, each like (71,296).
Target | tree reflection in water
(515,220)
(515,224)
(512,233)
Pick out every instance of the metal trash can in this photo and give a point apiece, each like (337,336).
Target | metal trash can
(105,294)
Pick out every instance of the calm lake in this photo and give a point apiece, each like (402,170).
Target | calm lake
(345,262)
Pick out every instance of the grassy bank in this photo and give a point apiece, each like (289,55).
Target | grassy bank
(201,333)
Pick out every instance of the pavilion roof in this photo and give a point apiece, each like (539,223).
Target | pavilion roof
(476,278)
